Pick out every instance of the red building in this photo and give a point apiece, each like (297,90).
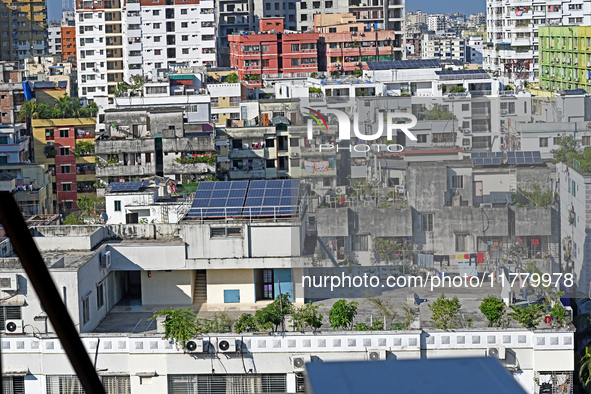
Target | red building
(347,51)
(270,52)
(69,44)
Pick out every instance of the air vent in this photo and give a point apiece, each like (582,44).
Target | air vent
(299,362)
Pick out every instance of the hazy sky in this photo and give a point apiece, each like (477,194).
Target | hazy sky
(428,6)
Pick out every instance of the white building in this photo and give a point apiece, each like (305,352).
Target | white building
(443,48)
(14,143)
(116,43)
(54,39)
(150,203)
(437,23)
(478,19)
(512,30)
(474,50)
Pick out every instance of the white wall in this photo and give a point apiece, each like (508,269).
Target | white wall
(147,256)
(238,279)
(168,288)
(285,241)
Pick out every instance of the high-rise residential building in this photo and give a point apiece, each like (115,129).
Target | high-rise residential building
(235,16)
(437,23)
(512,32)
(23,29)
(478,19)
(61,37)
(67,147)
(565,57)
(118,40)
(474,49)
(444,48)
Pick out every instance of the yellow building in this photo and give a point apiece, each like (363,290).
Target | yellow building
(67,147)
(23,24)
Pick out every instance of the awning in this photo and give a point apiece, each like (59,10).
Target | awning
(181,76)
(146,374)
(16,372)
(280,120)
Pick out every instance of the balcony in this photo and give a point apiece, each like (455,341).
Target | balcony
(115,170)
(247,174)
(480,111)
(189,168)
(246,153)
(111,147)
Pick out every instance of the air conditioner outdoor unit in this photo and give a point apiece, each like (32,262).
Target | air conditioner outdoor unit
(298,362)
(376,355)
(194,346)
(294,154)
(14,327)
(106,260)
(496,352)
(486,205)
(341,190)
(226,345)
(588,64)
(8,282)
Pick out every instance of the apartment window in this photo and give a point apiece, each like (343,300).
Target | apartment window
(332,30)
(268,284)
(294,142)
(64,151)
(156,12)
(100,295)
(295,47)
(157,38)
(465,107)
(184,25)
(465,124)
(427,222)
(295,61)
(555,140)
(353,29)
(65,168)
(461,242)
(543,142)
(13,384)
(117,206)
(457,182)
(304,17)
(60,384)
(157,52)
(225,232)
(185,51)
(184,38)
(66,187)
(86,310)
(421,138)
(360,243)
(276,6)
(156,25)
(117,384)
(268,7)
(64,133)
(9,313)
(586,141)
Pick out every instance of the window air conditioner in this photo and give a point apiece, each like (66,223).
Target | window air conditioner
(298,362)
(8,282)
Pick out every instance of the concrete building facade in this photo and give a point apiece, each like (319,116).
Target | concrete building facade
(23,28)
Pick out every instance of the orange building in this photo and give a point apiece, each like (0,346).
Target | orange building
(69,44)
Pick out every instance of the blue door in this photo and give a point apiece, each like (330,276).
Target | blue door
(283,275)
(231,296)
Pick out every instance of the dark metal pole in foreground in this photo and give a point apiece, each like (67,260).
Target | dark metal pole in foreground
(38,274)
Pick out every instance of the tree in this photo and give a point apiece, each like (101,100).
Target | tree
(385,248)
(493,308)
(585,370)
(567,145)
(457,89)
(445,312)
(527,315)
(271,316)
(437,112)
(245,323)
(535,198)
(73,219)
(232,78)
(306,316)
(83,148)
(342,313)
(90,208)
(385,309)
(29,110)
(220,322)
(180,325)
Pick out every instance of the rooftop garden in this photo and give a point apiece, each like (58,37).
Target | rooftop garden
(64,107)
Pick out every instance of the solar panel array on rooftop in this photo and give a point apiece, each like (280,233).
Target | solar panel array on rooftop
(496,158)
(452,72)
(402,64)
(245,199)
(126,186)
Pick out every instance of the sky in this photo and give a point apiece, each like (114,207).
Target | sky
(429,6)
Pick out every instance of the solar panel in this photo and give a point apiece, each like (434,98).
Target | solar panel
(520,160)
(537,160)
(529,160)
(474,155)
(487,161)
(499,155)
(537,154)
(478,162)
(510,154)
(519,154)
(528,154)
(511,160)
(126,186)
(496,161)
